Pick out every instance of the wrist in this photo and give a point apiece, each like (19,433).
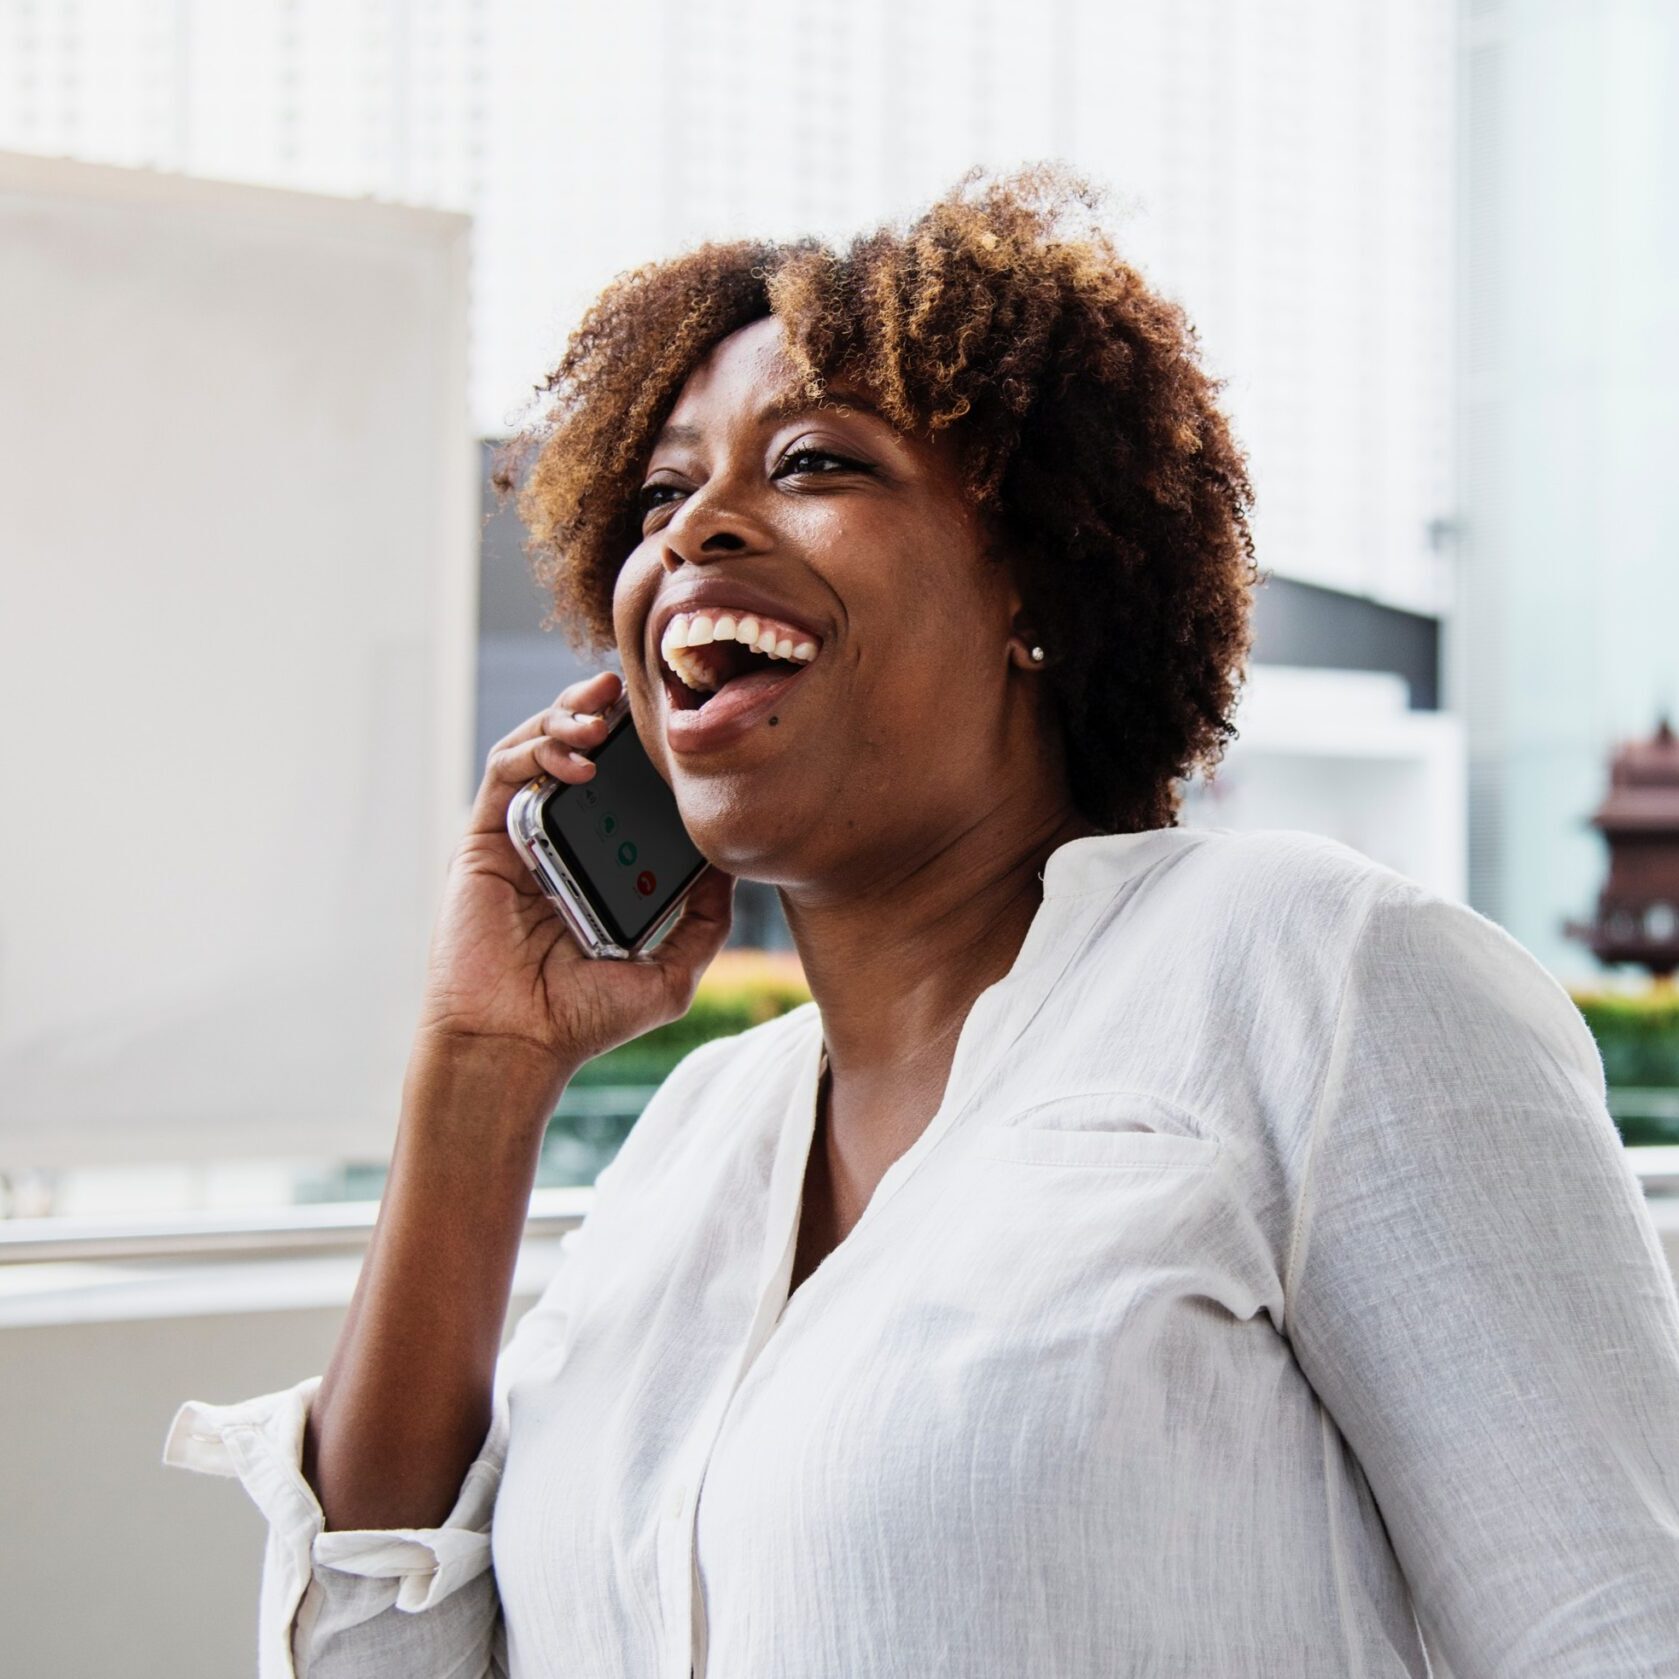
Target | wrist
(505,1051)
(504,1082)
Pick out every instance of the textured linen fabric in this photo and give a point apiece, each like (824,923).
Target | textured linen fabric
(1271,1280)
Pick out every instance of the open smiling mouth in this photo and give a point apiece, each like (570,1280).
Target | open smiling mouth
(696,671)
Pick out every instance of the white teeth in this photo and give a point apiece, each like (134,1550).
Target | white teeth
(698,629)
(688,669)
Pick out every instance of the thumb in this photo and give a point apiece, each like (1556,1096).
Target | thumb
(701,929)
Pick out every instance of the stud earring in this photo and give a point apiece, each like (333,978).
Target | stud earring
(1037,655)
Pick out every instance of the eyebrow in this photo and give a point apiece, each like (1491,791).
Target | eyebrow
(784,407)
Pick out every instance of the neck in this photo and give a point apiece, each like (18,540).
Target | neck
(895,963)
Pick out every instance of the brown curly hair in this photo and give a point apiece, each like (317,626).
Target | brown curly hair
(1089,441)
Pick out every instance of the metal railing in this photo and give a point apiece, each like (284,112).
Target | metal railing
(1625,1101)
(325,1227)
(1657,1166)
(345,1226)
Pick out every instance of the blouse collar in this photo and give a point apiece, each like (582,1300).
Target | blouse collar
(1101,862)
(1093,863)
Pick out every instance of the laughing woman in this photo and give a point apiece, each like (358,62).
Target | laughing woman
(1151,1252)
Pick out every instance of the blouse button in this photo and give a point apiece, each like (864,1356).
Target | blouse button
(677,1499)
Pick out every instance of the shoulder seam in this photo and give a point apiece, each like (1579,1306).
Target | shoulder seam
(1331,1071)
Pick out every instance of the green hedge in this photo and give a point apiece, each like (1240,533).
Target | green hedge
(579,1144)
(651,1056)
(1638,1037)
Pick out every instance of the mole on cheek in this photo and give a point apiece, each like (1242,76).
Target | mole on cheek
(774,721)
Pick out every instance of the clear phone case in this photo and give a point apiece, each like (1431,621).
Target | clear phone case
(562,889)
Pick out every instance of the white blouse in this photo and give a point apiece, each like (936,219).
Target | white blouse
(1272,1279)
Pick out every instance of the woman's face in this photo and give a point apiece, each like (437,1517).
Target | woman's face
(913,722)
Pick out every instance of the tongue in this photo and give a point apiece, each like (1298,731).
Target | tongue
(763,676)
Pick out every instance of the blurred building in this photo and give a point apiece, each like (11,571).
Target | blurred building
(1569,405)
(1284,171)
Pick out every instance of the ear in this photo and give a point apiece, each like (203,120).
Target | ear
(1023,633)
(1026,648)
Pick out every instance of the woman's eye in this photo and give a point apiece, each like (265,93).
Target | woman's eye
(648,498)
(824,455)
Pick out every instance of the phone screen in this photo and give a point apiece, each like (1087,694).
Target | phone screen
(621,835)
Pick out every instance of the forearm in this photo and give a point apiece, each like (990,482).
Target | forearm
(405,1401)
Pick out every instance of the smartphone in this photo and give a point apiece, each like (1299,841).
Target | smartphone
(610,853)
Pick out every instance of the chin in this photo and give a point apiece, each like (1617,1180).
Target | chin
(735,838)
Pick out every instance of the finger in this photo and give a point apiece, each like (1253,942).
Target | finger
(575,699)
(593,693)
(574,728)
(510,767)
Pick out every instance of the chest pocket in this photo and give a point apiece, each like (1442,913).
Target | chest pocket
(1118,1130)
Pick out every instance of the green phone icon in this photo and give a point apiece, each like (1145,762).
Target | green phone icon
(626,853)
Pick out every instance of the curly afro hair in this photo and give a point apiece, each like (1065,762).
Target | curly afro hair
(1089,441)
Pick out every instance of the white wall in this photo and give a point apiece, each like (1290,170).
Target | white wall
(1340,753)
(238,612)
(111,1563)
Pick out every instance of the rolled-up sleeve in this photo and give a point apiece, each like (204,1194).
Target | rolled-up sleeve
(1478,1295)
(354,1604)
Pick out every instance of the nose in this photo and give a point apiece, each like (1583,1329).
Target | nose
(705,528)
(716,542)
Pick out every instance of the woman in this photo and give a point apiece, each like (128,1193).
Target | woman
(1152,1252)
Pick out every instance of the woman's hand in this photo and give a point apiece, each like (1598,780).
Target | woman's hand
(504,967)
